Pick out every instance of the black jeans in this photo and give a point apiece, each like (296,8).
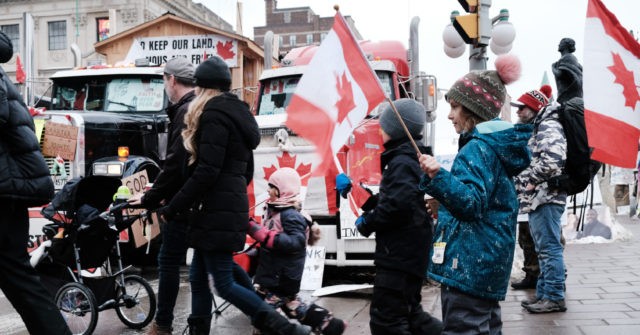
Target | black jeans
(396,308)
(18,280)
(172,254)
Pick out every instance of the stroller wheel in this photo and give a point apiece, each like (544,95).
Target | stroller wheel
(78,306)
(136,304)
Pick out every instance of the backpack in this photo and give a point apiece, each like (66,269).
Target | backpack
(579,168)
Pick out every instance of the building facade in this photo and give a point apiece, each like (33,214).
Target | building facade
(296,27)
(43,31)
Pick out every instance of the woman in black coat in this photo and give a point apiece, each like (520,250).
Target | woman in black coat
(220,135)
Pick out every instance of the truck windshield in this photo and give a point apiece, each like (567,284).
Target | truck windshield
(277,92)
(109,94)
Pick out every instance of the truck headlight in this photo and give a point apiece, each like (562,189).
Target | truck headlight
(108,169)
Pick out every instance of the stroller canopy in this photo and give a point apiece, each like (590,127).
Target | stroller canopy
(95,191)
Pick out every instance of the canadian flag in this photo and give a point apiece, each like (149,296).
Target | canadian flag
(337,90)
(611,81)
(20,76)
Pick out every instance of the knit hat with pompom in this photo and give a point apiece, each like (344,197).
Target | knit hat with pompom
(483,92)
(535,99)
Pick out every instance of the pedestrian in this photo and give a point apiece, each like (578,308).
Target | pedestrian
(544,204)
(283,237)
(474,240)
(529,105)
(398,216)
(594,227)
(24,182)
(219,137)
(179,85)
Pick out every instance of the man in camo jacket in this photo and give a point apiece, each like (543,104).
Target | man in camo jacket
(545,206)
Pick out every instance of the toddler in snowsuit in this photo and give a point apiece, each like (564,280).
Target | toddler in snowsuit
(283,237)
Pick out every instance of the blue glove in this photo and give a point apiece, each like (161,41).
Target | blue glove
(363,228)
(343,184)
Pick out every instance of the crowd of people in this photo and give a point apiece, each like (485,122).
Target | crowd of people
(500,171)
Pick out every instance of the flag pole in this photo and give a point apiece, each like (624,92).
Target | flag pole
(415,146)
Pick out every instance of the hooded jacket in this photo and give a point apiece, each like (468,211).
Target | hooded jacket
(478,209)
(24,175)
(216,189)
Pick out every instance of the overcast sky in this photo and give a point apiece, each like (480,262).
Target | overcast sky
(539,27)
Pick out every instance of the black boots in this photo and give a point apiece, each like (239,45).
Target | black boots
(527,283)
(269,321)
(318,318)
(199,325)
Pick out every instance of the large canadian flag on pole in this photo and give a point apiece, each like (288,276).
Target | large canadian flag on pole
(611,81)
(337,90)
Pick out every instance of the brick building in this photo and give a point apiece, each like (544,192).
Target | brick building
(296,27)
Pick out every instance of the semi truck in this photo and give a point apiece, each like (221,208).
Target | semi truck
(398,71)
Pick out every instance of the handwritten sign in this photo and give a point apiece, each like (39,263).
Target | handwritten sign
(142,231)
(313,268)
(159,50)
(60,140)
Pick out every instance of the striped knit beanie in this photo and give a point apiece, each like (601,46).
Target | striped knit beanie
(483,92)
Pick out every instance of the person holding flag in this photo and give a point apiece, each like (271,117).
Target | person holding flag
(403,227)
(474,239)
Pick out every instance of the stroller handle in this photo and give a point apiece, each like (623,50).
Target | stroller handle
(114,215)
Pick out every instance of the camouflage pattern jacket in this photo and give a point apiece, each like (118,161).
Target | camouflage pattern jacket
(548,147)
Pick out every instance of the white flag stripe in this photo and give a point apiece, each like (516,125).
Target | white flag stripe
(601,93)
(330,56)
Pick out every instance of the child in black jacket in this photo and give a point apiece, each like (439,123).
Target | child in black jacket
(283,239)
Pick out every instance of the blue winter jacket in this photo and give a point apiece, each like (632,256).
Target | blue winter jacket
(478,209)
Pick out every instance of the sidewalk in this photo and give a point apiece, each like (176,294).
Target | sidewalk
(603,295)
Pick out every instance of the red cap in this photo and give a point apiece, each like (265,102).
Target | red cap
(535,99)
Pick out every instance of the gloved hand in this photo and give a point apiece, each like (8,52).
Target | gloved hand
(261,234)
(370,204)
(343,184)
(363,227)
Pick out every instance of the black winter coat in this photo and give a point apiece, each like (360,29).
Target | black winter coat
(403,227)
(174,171)
(24,175)
(217,185)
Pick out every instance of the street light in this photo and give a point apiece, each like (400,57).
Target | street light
(478,30)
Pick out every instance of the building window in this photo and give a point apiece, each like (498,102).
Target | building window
(280,40)
(322,36)
(102,27)
(287,17)
(57,35)
(13,33)
(309,38)
(292,40)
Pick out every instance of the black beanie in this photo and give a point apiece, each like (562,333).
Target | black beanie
(412,113)
(6,48)
(213,73)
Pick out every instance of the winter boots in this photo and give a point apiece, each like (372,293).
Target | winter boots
(269,321)
(528,282)
(316,317)
(199,325)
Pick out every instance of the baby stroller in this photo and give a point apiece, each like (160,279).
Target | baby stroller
(83,238)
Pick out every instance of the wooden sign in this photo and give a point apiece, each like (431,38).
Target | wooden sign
(60,140)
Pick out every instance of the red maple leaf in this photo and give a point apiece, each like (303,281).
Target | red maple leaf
(345,104)
(225,50)
(625,78)
(286,160)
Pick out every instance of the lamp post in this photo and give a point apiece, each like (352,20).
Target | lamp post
(478,30)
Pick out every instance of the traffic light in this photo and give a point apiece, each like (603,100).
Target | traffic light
(475,27)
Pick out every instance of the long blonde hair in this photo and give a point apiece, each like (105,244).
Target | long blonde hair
(192,120)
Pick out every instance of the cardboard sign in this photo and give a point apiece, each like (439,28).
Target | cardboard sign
(143,232)
(60,140)
(313,268)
